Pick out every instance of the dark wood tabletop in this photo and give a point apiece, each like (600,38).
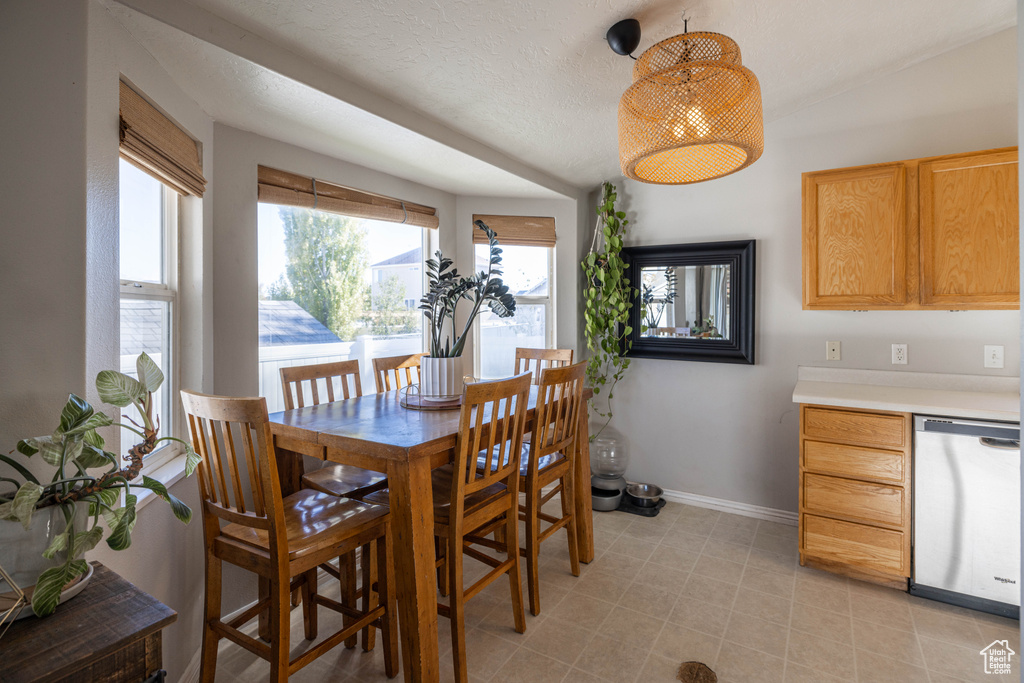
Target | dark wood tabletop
(109,614)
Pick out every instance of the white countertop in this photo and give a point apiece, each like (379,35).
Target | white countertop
(965,396)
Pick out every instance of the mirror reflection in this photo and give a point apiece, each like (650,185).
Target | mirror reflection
(685,301)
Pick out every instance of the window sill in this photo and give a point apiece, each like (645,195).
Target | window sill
(167,474)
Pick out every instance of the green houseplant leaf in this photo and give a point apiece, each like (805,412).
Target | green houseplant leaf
(150,375)
(50,584)
(24,503)
(181,511)
(118,389)
(75,412)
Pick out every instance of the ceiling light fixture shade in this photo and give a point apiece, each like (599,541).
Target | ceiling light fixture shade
(692,114)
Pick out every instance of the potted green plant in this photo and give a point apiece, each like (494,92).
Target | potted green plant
(607,299)
(440,371)
(47,526)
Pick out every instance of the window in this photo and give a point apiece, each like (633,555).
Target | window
(333,287)
(528,272)
(148,276)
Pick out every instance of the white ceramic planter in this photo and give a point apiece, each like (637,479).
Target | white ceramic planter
(441,377)
(21,551)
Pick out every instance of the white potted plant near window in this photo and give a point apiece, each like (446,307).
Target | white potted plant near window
(441,372)
(46,527)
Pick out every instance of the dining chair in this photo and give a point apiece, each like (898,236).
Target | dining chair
(471,502)
(346,481)
(550,461)
(388,372)
(535,360)
(339,480)
(247,523)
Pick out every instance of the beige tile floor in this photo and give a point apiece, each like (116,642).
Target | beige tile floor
(689,584)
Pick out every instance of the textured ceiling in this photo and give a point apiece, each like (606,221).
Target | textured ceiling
(244,95)
(534,78)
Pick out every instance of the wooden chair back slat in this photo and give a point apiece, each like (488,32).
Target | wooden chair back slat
(236,479)
(296,377)
(537,360)
(258,504)
(389,371)
(491,427)
(212,420)
(556,418)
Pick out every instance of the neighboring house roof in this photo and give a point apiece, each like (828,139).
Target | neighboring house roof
(141,327)
(538,289)
(285,323)
(408,258)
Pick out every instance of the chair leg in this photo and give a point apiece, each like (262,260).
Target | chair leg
(309,615)
(369,597)
(457,607)
(347,579)
(264,619)
(568,509)
(441,550)
(512,548)
(389,622)
(280,623)
(208,670)
(533,549)
(296,597)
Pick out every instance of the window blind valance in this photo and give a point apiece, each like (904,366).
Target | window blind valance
(522,231)
(290,189)
(153,143)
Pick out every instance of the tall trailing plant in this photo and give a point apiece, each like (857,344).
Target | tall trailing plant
(447,288)
(608,298)
(72,449)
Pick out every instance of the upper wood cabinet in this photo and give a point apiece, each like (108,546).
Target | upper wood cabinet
(934,233)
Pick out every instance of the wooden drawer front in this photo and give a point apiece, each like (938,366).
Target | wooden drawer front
(879,550)
(849,498)
(853,461)
(868,429)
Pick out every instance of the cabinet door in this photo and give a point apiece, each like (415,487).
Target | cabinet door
(969,252)
(854,238)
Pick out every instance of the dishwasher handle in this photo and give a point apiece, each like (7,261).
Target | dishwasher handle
(1003,444)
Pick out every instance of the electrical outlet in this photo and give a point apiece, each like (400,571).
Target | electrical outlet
(832,350)
(993,356)
(899,354)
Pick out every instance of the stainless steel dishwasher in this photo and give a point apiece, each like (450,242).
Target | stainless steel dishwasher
(967,513)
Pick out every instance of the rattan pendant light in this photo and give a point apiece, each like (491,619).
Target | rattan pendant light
(693,112)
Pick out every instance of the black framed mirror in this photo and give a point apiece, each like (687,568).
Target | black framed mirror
(693,301)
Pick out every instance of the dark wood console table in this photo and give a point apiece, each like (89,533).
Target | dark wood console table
(109,632)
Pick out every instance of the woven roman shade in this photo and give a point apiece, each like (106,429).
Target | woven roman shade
(521,231)
(153,143)
(291,189)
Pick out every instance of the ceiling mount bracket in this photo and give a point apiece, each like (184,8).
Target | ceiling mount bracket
(624,37)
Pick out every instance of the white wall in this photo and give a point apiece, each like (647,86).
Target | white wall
(566,250)
(59,261)
(730,431)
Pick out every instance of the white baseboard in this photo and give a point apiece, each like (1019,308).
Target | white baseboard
(745,509)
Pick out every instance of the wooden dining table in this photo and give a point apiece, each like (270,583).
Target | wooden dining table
(376,432)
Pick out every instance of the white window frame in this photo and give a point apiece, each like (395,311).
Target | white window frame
(167,292)
(547,301)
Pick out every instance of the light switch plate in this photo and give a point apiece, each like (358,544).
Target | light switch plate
(993,356)
(832,350)
(899,354)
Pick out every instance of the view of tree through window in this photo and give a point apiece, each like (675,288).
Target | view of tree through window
(333,288)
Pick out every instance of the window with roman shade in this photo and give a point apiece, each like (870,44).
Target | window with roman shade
(291,189)
(528,268)
(521,231)
(153,143)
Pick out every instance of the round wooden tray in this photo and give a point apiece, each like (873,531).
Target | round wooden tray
(417,402)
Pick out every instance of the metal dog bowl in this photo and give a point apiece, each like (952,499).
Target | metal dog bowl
(644,495)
